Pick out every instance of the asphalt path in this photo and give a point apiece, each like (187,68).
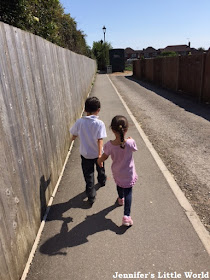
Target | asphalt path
(79,242)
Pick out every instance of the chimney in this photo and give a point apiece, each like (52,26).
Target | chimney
(189,44)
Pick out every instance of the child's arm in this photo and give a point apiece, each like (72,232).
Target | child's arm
(100,146)
(74,131)
(102,159)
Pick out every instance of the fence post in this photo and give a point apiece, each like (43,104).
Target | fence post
(202,77)
(177,74)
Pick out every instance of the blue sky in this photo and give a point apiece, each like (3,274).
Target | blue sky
(139,24)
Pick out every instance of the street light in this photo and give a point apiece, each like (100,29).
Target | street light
(104,30)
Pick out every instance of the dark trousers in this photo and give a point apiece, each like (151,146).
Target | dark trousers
(88,166)
(127,194)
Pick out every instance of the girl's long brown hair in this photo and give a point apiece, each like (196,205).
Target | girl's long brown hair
(120,124)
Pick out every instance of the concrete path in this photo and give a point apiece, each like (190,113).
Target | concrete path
(79,242)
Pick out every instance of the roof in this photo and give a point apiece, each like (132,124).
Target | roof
(129,50)
(149,50)
(177,48)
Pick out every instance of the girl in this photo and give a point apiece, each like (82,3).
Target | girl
(123,167)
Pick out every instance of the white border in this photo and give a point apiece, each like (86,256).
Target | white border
(191,214)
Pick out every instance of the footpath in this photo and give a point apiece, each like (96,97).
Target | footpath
(79,242)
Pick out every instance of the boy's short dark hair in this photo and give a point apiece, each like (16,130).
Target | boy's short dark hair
(92,104)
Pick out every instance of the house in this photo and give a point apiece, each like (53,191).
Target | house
(150,52)
(180,49)
(131,54)
(136,54)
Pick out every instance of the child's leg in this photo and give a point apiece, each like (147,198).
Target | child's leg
(128,200)
(120,192)
(101,174)
(120,199)
(88,172)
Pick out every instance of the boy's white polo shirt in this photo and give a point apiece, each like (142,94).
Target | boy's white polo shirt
(89,129)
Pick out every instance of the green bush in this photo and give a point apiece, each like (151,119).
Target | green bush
(100,51)
(163,54)
(47,19)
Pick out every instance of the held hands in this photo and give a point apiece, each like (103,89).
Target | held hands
(101,159)
(100,163)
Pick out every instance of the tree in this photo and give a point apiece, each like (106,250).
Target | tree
(47,19)
(11,11)
(100,51)
(36,16)
(201,49)
(168,54)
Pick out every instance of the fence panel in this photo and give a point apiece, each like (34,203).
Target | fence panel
(206,79)
(158,71)
(170,72)
(149,70)
(137,69)
(190,74)
(42,91)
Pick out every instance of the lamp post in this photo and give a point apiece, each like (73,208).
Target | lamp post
(104,48)
(104,30)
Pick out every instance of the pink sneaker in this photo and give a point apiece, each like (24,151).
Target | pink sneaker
(127,221)
(120,201)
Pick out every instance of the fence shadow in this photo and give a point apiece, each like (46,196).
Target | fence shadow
(181,99)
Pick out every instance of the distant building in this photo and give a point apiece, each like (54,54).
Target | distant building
(179,49)
(131,54)
(150,52)
(136,54)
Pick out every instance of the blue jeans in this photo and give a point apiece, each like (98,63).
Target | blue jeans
(127,194)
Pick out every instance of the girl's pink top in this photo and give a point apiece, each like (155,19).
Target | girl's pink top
(123,167)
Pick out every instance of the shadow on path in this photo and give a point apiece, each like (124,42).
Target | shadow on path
(42,192)
(57,210)
(180,99)
(78,235)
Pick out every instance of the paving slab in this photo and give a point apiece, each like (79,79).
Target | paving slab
(79,242)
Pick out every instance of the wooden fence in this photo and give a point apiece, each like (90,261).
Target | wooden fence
(189,74)
(42,92)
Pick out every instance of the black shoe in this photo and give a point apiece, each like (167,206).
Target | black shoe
(103,183)
(91,200)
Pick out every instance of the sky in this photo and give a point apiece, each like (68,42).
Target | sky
(139,24)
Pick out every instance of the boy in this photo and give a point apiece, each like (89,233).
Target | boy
(91,132)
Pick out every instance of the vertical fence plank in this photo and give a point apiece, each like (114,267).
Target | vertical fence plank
(200,93)
(206,80)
